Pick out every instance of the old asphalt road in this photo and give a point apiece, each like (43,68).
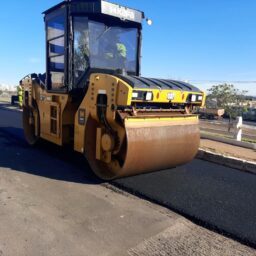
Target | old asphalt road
(219,198)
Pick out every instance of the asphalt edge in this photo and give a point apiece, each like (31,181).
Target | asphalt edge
(228,161)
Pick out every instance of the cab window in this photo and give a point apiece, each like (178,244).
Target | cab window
(81,48)
(56,53)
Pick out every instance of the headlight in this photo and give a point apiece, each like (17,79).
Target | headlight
(193,98)
(135,95)
(170,96)
(142,95)
(149,96)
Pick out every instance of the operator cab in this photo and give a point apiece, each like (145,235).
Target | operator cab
(86,36)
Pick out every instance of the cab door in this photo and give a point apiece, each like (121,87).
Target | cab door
(56,89)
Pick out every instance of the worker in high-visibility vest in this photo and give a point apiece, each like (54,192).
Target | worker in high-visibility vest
(20,95)
(121,49)
(116,52)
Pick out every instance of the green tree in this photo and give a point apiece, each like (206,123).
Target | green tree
(228,97)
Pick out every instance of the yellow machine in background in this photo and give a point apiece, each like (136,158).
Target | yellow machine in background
(93,97)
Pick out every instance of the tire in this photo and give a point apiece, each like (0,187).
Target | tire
(29,129)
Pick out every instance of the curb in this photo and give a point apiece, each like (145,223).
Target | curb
(228,161)
(229,141)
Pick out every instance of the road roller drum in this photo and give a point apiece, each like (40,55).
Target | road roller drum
(150,145)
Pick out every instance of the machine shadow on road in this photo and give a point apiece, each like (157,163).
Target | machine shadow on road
(44,159)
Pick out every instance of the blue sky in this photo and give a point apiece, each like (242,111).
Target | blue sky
(203,41)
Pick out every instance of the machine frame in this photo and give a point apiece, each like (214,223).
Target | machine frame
(123,123)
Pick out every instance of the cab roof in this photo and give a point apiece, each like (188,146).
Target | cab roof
(99,7)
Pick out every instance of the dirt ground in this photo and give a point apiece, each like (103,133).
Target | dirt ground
(229,150)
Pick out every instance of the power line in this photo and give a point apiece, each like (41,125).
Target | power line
(223,81)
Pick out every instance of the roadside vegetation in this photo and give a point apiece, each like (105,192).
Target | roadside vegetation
(226,96)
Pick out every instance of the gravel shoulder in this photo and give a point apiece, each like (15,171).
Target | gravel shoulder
(228,150)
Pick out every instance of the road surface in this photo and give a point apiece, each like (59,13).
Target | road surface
(52,204)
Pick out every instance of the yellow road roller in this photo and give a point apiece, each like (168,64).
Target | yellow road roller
(93,97)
